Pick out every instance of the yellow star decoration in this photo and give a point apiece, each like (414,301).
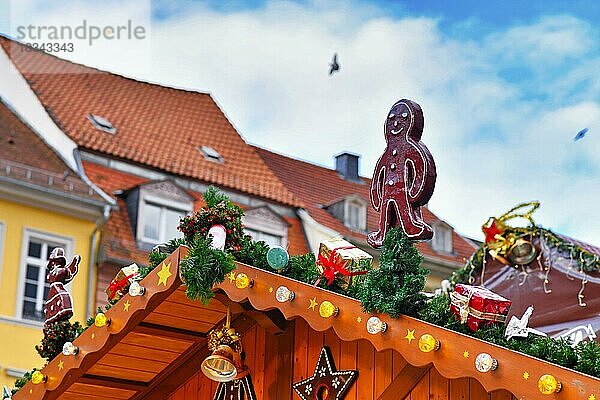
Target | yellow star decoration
(164,274)
(93,336)
(271,289)
(592,397)
(410,335)
(232,277)
(359,319)
(61,365)
(313,304)
(30,391)
(466,354)
(126,305)
(526,375)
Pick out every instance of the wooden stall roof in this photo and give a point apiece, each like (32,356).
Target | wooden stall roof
(155,342)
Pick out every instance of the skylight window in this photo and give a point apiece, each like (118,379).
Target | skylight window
(102,123)
(211,154)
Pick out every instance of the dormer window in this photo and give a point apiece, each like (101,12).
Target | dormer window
(442,238)
(262,223)
(351,210)
(155,210)
(211,154)
(102,124)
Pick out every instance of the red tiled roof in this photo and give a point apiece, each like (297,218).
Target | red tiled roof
(118,238)
(24,156)
(316,186)
(157,126)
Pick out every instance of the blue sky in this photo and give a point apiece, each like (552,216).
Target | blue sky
(505,85)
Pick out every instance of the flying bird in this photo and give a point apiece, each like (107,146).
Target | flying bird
(334,66)
(580,134)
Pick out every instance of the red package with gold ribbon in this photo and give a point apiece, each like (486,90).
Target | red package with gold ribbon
(477,306)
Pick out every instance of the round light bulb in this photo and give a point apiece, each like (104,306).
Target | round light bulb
(428,343)
(135,289)
(37,377)
(375,326)
(327,309)
(277,257)
(284,294)
(101,320)
(547,384)
(485,363)
(242,281)
(69,349)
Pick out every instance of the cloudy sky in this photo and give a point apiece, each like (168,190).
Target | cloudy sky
(504,87)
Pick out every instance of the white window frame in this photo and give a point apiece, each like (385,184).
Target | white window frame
(260,236)
(267,225)
(362,213)
(162,203)
(28,233)
(446,244)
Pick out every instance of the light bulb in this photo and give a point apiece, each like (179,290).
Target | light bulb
(375,326)
(69,349)
(284,294)
(135,289)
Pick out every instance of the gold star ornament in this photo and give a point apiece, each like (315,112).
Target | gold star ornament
(466,354)
(126,305)
(410,335)
(592,397)
(61,365)
(164,274)
(313,304)
(232,277)
(526,375)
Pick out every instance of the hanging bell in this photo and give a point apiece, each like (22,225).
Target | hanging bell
(222,365)
(522,252)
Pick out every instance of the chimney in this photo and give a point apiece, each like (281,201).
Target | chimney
(346,164)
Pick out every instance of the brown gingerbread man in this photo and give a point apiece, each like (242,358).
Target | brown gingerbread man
(59,306)
(404,176)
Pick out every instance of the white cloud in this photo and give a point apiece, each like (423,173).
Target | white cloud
(494,143)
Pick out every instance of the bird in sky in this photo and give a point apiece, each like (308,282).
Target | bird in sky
(581,134)
(334,66)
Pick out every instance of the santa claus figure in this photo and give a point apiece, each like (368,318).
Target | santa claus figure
(59,304)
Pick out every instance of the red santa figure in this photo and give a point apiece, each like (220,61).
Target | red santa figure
(59,304)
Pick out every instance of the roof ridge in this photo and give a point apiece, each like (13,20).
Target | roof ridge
(98,70)
(312,163)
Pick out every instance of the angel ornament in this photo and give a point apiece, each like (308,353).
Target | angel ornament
(59,305)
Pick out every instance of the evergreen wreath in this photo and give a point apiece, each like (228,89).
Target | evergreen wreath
(56,335)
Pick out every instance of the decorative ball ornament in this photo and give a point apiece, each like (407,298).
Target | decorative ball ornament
(37,377)
(69,349)
(547,384)
(485,363)
(327,309)
(277,258)
(522,252)
(101,320)
(375,326)
(242,281)
(218,233)
(428,343)
(135,289)
(284,294)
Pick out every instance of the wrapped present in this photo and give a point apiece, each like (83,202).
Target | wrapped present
(477,306)
(338,257)
(124,277)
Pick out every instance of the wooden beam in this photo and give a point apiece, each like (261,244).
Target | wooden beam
(115,383)
(404,382)
(185,366)
(169,332)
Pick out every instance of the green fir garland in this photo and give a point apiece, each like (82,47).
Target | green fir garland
(55,336)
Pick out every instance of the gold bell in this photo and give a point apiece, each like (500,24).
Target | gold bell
(522,252)
(222,365)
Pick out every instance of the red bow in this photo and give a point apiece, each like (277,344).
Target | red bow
(117,286)
(330,267)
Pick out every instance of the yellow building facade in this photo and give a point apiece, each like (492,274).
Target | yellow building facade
(43,204)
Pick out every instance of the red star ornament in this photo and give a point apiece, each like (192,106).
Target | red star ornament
(327,382)
(491,229)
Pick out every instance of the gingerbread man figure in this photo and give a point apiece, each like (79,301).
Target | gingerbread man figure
(404,176)
(59,304)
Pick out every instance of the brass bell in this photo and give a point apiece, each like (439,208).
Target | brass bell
(522,252)
(222,365)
